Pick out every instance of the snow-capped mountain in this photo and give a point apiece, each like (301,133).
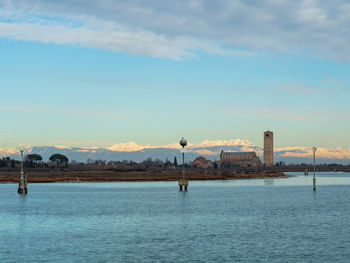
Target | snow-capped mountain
(209,149)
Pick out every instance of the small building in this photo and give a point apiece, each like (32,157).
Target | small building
(201,162)
(240,159)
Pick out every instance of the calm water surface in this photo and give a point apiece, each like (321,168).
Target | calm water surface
(272,220)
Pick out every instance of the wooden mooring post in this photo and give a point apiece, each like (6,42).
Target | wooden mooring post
(183,184)
(22,184)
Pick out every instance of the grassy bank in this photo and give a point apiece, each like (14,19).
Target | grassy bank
(115,176)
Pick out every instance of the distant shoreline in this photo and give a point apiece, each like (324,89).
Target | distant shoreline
(135,176)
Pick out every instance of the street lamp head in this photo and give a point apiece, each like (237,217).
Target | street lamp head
(314,149)
(183,142)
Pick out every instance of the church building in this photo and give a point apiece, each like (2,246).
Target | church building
(240,159)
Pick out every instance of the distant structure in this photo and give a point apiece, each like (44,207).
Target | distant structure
(268,148)
(201,162)
(240,159)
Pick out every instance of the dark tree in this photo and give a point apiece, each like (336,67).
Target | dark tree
(29,164)
(34,157)
(132,163)
(58,158)
(175,161)
(3,163)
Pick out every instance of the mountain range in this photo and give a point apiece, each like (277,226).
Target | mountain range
(208,149)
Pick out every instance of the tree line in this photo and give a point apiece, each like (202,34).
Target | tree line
(33,160)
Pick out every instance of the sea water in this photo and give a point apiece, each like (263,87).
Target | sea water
(258,220)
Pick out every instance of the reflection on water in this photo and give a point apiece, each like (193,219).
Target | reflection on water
(258,220)
(297,178)
(268,181)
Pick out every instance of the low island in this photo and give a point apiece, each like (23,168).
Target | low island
(59,169)
(130,176)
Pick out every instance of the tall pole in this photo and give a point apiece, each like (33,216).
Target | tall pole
(183,182)
(22,162)
(183,165)
(314,179)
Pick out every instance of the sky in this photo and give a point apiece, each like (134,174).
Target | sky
(96,73)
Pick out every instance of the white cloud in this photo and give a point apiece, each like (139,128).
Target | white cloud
(93,32)
(145,43)
(174,29)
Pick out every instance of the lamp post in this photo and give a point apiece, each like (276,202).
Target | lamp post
(183,182)
(314,149)
(22,151)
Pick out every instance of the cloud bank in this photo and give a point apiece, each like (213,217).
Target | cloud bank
(176,29)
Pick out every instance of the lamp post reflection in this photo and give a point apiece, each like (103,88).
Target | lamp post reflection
(314,149)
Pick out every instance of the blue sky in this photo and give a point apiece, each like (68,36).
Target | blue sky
(87,73)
